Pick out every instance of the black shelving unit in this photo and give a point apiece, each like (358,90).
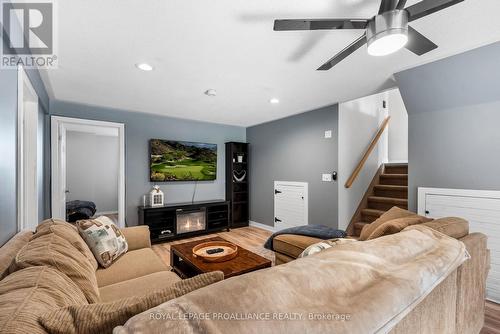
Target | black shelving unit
(237,191)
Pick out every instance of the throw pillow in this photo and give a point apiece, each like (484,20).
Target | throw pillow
(104,239)
(103,317)
(394,213)
(451,226)
(30,293)
(322,245)
(393,226)
(53,251)
(68,232)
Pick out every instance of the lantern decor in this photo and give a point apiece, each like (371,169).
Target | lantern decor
(156,197)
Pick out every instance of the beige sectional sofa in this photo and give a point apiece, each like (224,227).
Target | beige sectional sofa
(456,305)
(26,293)
(466,287)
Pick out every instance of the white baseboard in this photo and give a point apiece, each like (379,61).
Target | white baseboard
(103,213)
(262,226)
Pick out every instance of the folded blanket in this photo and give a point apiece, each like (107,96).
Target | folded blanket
(72,205)
(315,231)
(359,287)
(76,210)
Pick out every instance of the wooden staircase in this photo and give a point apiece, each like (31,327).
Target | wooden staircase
(389,188)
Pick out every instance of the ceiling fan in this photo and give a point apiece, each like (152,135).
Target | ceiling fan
(385,33)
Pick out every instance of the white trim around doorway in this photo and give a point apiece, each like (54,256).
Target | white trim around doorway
(27,153)
(59,126)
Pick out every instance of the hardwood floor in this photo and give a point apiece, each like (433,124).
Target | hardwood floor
(252,238)
(491,319)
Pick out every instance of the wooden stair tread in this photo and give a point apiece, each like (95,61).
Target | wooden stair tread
(372,212)
(391,187)
(394,176)
(396,168)
(381,199)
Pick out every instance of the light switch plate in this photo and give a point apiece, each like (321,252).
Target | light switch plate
(328,134)
(327,177)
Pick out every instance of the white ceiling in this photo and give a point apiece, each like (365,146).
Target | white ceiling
(229,45)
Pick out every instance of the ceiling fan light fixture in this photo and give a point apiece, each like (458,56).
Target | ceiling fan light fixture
(387,33)
(387,44)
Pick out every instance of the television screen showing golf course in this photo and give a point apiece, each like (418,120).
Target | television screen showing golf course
(182,161)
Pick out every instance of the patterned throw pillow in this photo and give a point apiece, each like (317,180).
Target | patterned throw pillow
(322,245)
(104,239)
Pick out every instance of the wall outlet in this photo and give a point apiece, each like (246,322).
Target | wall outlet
(328,134)
(327,177)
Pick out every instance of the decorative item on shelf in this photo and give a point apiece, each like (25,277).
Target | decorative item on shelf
(156,197)
(239,176)
(240,157)
(215,251)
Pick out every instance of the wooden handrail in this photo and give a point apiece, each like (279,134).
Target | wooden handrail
(374,143)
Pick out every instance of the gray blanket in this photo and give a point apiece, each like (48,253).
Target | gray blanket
(316,231)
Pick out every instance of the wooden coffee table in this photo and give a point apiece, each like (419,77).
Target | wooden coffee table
(186,265)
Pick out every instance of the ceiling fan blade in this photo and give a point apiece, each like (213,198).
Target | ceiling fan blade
(387,5)
(418,43)
(327,24)
(401,4)
(343,54)
(427,7)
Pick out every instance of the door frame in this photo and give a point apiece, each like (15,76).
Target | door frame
(59,126)
(26,94)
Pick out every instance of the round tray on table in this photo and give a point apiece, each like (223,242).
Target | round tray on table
(230,251)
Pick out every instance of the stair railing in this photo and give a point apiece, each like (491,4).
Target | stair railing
(362,162)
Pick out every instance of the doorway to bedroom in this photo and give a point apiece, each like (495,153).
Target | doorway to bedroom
(88,169)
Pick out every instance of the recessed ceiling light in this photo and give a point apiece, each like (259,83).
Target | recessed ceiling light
(211,92)
(274,100)
(144,67)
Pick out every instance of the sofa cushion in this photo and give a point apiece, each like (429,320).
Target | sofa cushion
(451,226)
(139,286)
(68,232)
(104,239)
(393,213)
(393,226)
(293,245)
(28,293)
(9,251)
(132,264)
(103,317)
(137,237)
(53,251)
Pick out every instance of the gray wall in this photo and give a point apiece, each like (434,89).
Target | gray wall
(294,149)
(8,146)
(139,129)
(8,121)
(454,116)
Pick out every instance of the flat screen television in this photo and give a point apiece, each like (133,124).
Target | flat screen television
(182,161)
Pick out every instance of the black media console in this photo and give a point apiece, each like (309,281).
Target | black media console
(175,221)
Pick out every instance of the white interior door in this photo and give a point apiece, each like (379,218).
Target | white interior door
(290,204)
(27,154)
(481,209)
